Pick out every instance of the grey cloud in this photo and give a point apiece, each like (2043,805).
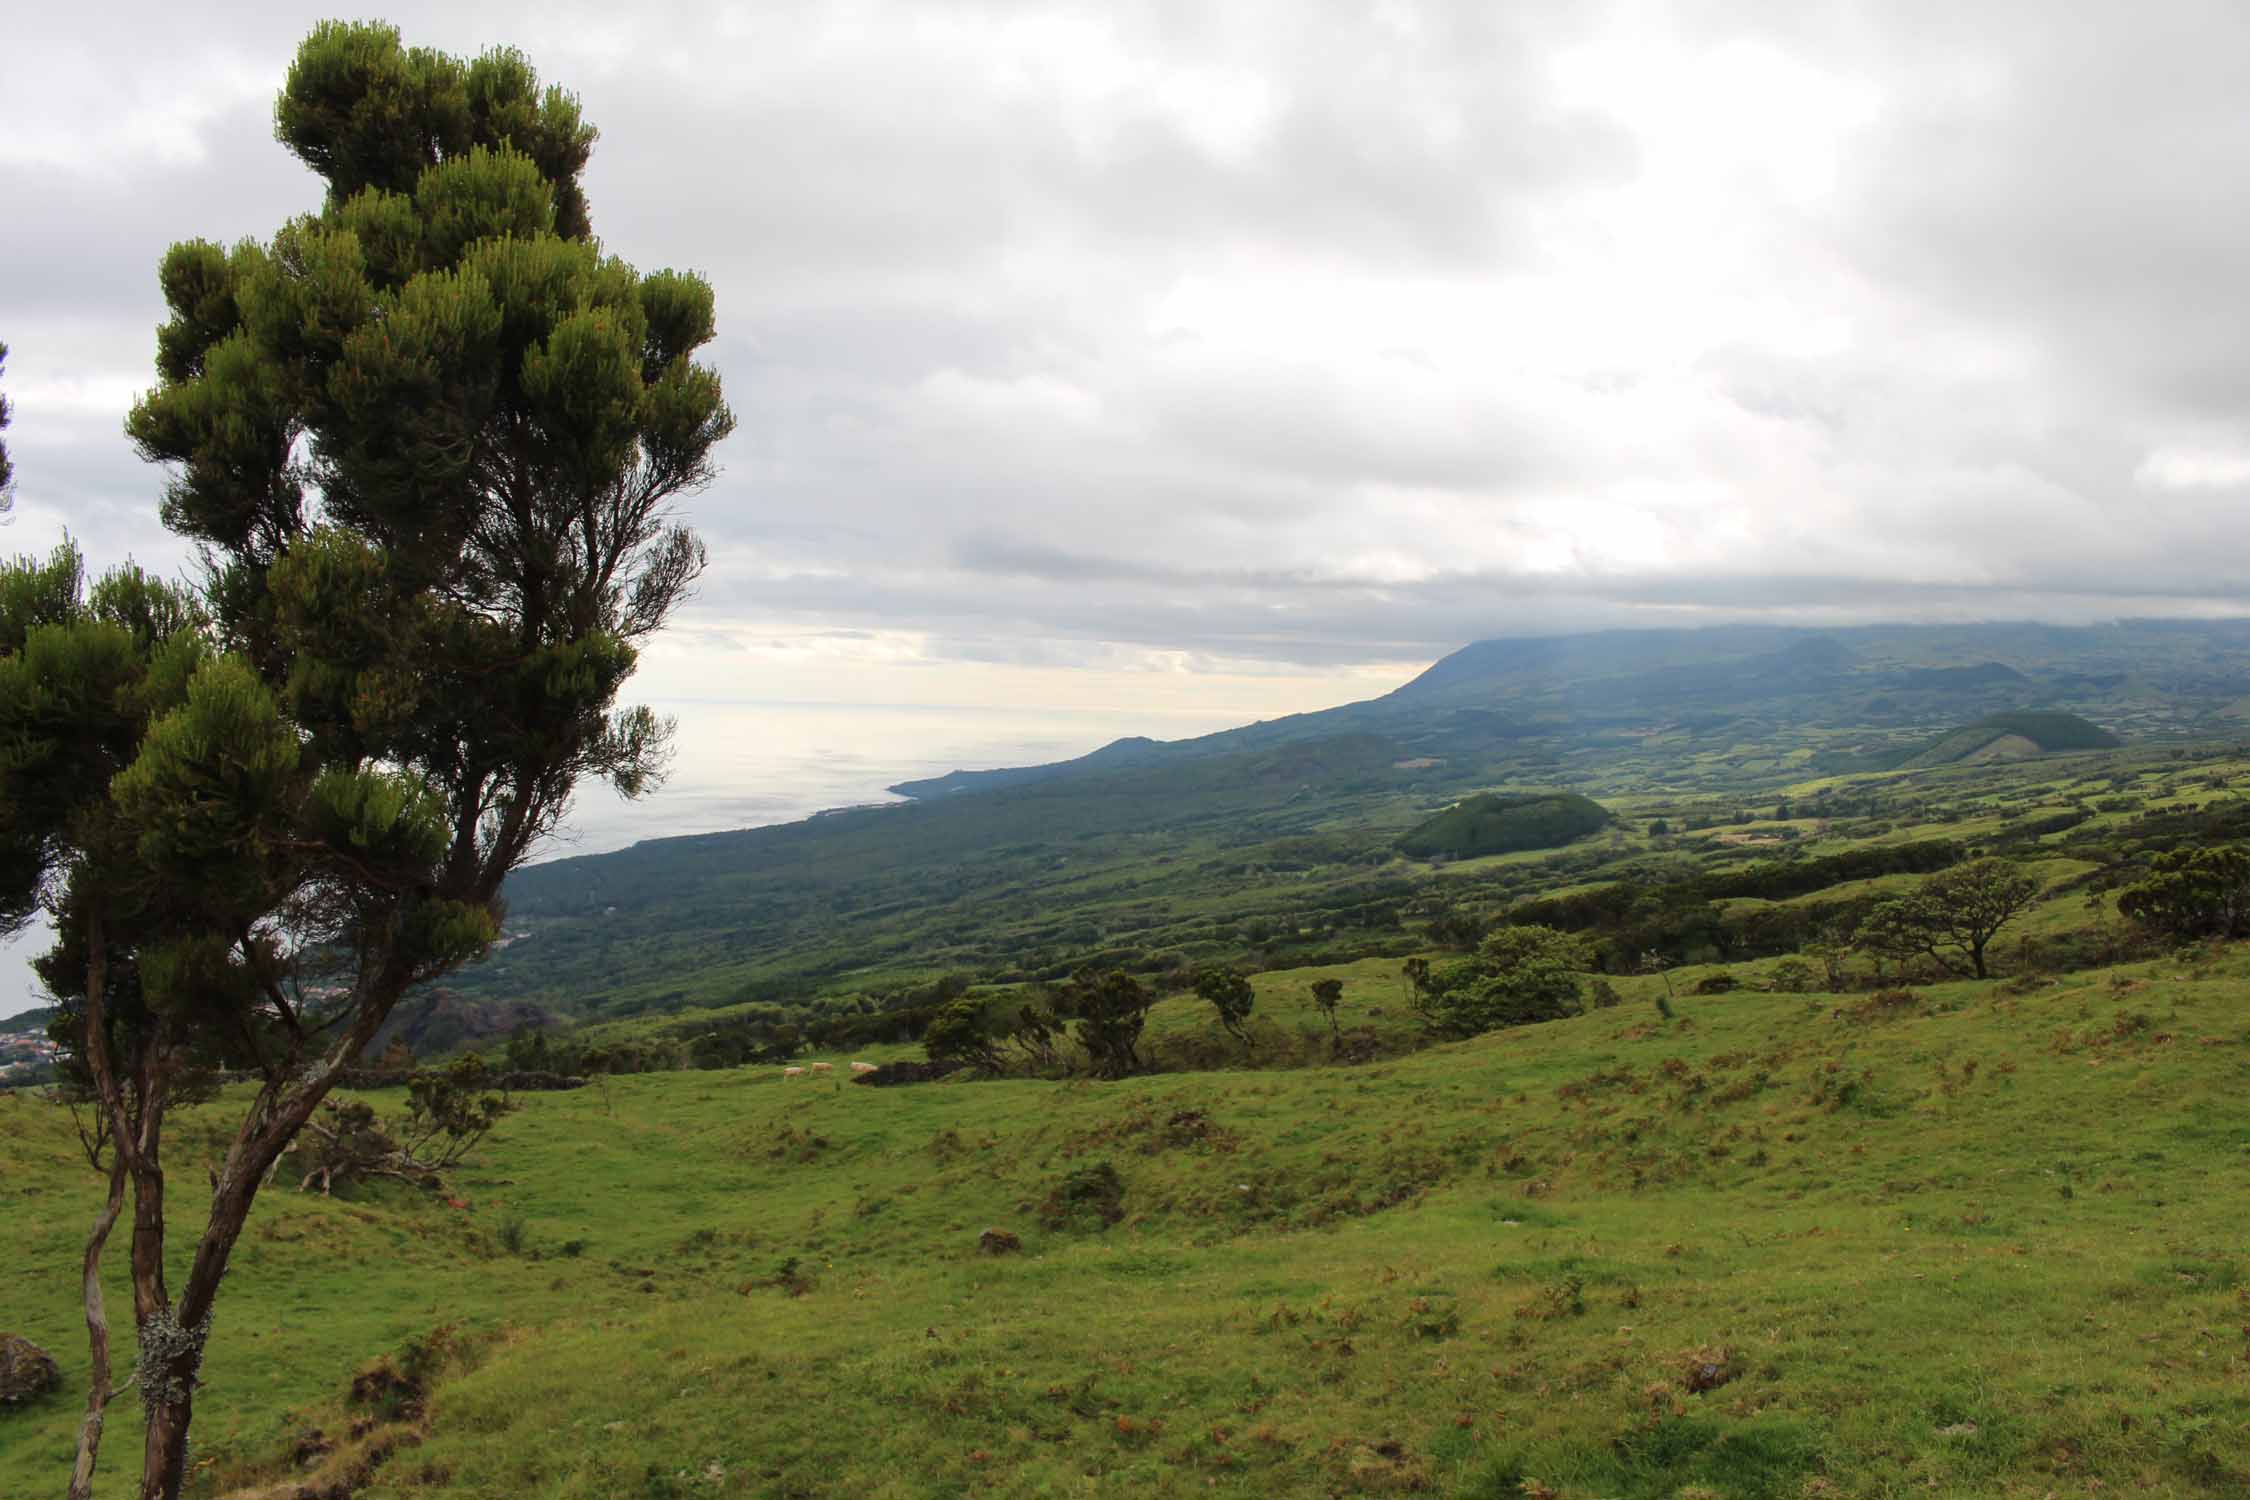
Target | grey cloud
(1315,337)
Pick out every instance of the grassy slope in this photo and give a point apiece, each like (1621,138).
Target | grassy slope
(1485,1264)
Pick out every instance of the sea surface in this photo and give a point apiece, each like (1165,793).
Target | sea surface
(746,764)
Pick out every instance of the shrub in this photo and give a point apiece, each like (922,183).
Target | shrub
(1520,975)
(1792,976)
(957,1035)
(1092,1196)
(2192,893)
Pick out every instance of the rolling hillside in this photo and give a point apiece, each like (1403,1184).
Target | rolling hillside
(2012,736)
(1281,838)
(1984,1241)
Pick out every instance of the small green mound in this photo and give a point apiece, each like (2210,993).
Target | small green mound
(2008,736)
(1497,824)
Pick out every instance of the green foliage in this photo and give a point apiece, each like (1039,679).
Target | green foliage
(1230,995)
(214,791)
(1497,824)
(1619,905)
(1952,917)
(1108,1009)
(448,1112)
(1328,998)
(1299,1257)
(428,440)
(1520,976)
(1792,976)
(2193,893)
(959,1033)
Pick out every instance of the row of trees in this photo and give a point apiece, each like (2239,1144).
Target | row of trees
(426,440)
(1103,1012)
(1517,975)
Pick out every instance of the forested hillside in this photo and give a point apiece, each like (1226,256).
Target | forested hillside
(1278,842)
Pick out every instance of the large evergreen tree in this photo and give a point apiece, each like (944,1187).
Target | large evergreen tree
(427,439)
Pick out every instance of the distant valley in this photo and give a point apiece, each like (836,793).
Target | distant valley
(1282,836)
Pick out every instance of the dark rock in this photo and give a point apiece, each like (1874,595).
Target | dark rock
(998,1242)
(1709,1368)
(27,1371)
(893,1073)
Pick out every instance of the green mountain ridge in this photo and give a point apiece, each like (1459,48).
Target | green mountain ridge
(1877,678)
(1167,853)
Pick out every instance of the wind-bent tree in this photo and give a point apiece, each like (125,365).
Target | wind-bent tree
(427,439)
(1108,1008)
(1231,996)
(1952,917)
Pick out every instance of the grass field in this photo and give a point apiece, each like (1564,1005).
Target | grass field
(1987,1242)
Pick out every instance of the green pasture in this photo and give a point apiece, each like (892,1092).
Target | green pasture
(1985,1242)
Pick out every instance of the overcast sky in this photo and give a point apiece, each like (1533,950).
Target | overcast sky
(1300,341)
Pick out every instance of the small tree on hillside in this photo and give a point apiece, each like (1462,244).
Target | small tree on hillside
(1108,1008)
(1952,917)
(958,1034)
(1520,975)
(1327,998)
(427,438)
(1231,996)
(1419,978)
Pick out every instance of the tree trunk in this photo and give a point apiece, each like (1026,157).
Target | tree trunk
(168,1371)
(98,1392)
(164,1457)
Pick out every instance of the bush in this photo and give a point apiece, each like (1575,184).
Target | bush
(957,1037)
(1792,976)
(2192,893)
(1088,1197)
(1520,975)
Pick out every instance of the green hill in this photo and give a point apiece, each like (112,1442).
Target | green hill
(2011,736)
(1284,836)
(1498,824)
(1975,1243)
